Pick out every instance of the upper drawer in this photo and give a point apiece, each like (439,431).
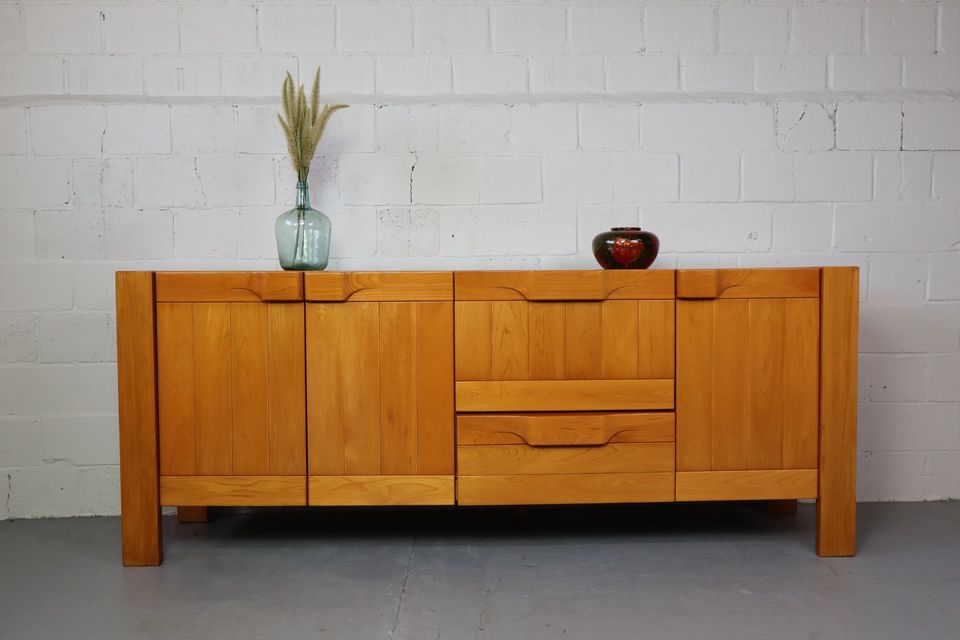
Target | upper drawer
(379,286)
(565,285)
(610,340)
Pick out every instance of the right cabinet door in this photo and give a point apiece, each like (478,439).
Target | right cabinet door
(748,345)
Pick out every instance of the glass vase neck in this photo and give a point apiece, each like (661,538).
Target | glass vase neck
(303,195)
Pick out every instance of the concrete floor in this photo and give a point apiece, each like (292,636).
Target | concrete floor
(661,572)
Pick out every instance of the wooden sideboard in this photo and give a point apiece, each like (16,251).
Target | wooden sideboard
(486,388)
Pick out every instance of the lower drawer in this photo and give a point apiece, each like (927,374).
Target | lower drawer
(481,460)
(587,488)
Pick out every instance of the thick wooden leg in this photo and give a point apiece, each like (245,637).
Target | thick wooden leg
(193,514)
(137,377)
(837,500)
(782,507)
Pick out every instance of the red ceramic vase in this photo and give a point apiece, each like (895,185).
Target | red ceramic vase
(626,248)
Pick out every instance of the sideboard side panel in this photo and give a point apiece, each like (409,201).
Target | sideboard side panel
(837,500)
(137,386)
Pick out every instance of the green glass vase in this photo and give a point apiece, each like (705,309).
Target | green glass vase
(303,235)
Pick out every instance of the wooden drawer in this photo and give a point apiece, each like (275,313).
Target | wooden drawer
(565,458)
(565,395)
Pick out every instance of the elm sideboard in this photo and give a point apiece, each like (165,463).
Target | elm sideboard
(486,388)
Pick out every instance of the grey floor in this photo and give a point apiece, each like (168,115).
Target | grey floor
(664,571)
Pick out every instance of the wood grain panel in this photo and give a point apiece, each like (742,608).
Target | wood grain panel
(583,348)
(765,392)
(380,388)
(509,337)
(213,383)
(746,485)
(178,435)
(473,322)
(229,286)
(435,389)
(480,460)
(746,370)
(657,325)
(398,388)
(564,285)
(588,488)
(381,490)
(565,395)
(233,491)
(286,389)
(379,286)
(515,340)
(620,340)
(837,502)
(141,532)
(547,340)
(325,389)
(748,283)
(231,389)
(250,376)
(564,429)
(731,374)
(360,370)
(695,367)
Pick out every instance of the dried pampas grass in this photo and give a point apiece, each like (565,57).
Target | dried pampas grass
(304,123)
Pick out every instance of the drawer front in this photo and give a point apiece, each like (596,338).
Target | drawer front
(519,459)
(657,284)
(608,340)
(565,458)
(564,429)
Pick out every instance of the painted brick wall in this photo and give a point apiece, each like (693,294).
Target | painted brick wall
(482,135)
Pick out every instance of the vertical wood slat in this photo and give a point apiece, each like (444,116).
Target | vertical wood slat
(398,388)
(435,391)
(248,350)
(695,393)
(837,494)
(178,425)
(361,372)
(509,332)
(141,532)
(325,389)
(286,375)
(621,340)
(547,344)
(213,380)
(729,415)
(801,371)
(583,341)
(656,324)
(765,384)
(473,342)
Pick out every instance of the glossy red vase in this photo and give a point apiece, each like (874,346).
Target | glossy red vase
(626,248)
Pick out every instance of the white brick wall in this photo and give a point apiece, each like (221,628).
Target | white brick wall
(142,134)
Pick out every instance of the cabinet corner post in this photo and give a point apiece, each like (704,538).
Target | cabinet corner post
(837,495)
(137,405)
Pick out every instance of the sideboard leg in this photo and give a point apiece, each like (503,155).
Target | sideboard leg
(782,507)
(139,457)
(191,515)
(837,499)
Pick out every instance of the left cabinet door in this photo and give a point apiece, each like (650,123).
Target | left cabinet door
(231,387)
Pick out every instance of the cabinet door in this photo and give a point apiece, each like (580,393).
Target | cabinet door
(564,341)
(231,377)
(380,388)
(747,383)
